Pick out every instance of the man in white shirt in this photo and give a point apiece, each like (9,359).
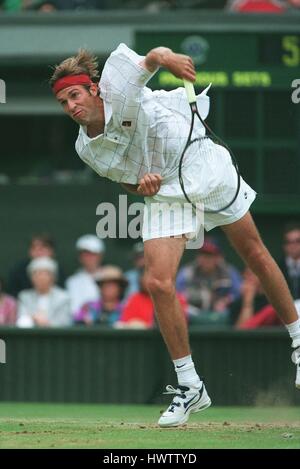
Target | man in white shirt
(135,136)
(81,286)
(290,265)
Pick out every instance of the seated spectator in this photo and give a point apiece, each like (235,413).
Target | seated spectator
(41,245)
(290,264)
(265,317)
(133,275)
(210,285)
(8,307)
(139,309)
(293,5)
(251,301)
(45,305)
(108,309)
(256,6)
(81,286)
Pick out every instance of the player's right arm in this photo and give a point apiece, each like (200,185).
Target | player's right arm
(180,65)
(126,73)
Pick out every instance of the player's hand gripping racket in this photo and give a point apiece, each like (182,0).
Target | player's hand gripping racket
(190,141)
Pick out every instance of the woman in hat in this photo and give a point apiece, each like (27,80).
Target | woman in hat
(108,309)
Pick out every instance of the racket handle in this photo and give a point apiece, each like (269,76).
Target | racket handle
(190,92)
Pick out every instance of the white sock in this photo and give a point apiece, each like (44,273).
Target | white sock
(186,373)
(294,331)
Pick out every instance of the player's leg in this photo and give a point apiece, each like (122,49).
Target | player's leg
(162,257)
(246,240)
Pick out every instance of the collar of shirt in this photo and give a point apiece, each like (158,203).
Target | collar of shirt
(107,116)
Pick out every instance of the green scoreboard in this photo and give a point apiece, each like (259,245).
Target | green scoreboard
(238,60)
(251,102)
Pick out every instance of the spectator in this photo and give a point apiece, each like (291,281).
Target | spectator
(252,299)
(290,264)
(133,275)
(81,286)
(266,317)
(45,305)
(8,307)
(210,285)
(293,5)
(139,309)
(41,245)
(256,6)
(108,309)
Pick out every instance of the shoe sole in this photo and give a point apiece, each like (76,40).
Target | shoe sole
(186,417)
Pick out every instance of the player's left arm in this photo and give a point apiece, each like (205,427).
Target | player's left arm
(180,65)
(149,185)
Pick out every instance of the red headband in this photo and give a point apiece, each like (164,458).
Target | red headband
(70,80)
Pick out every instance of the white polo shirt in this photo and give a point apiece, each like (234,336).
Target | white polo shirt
(145,131)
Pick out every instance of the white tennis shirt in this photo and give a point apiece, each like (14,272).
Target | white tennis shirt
(145,131)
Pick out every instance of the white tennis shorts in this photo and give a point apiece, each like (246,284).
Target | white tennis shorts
(210,181)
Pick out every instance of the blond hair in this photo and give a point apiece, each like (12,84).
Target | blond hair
(83,62)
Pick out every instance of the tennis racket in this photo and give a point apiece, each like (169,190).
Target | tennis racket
(191,141)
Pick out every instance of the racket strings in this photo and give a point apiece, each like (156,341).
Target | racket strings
(210,159)
(214,199)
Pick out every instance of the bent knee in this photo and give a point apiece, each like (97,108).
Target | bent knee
(159,286)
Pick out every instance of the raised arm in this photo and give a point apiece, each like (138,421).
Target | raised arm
(180,65)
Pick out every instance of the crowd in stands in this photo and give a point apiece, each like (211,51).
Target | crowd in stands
(152,6)
(210,290)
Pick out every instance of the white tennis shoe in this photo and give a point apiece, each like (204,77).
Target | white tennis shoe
(187,400)
(296,360)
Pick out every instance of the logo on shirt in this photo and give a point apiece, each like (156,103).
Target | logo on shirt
(126,124)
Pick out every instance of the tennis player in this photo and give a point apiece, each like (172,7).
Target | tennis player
(135,136)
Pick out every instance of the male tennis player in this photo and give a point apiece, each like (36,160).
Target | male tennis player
(135,136)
